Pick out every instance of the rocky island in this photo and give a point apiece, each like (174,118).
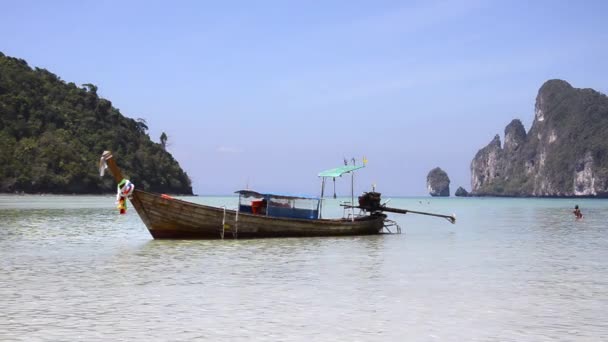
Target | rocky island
(52,134)
(461,192)
(438,183)
(564,154)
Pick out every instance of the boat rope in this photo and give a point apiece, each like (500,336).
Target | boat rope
(334,187)
(223,223)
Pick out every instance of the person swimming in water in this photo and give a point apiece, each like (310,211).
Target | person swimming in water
(577,212)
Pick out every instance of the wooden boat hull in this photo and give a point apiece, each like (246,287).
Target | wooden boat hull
(168,218)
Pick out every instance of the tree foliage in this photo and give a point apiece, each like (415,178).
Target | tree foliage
(52,134)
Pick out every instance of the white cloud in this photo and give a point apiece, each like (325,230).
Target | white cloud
(228,149)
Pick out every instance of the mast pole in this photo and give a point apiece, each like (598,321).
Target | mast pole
(352,195)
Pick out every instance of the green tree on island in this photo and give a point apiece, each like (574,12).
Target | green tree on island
(163,140)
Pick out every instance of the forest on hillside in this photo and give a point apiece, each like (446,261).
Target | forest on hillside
(52,134)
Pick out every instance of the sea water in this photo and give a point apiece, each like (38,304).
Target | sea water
(72,269)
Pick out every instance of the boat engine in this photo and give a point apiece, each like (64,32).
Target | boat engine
(370,201)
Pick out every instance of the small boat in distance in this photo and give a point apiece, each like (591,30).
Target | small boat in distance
(258,215)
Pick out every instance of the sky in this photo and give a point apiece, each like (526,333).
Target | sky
(266,94)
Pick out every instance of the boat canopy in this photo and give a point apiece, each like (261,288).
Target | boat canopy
(339,171)
(276,205)
(252,193)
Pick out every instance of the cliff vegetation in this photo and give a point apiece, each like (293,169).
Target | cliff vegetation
(564,154)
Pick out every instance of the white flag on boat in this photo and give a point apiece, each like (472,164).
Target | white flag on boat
(102,162)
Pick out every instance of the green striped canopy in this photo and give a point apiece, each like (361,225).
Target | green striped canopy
(339,171)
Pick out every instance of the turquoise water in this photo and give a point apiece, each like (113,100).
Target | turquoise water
(509,270)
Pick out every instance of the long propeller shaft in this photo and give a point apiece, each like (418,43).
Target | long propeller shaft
(451,218)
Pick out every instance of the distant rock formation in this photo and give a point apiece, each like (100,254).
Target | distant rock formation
(461,192)
(438,183)
(564,154)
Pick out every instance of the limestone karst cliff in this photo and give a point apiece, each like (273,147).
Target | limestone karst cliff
(438,183)
(564,154)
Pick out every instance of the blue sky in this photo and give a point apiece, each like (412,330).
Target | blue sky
(268,93)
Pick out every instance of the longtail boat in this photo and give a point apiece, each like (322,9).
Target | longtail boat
(258,215)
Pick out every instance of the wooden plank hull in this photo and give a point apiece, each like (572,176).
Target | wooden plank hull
(176,219)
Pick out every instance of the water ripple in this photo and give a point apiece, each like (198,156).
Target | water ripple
(510,270)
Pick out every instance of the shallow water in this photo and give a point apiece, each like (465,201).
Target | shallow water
(509,270)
